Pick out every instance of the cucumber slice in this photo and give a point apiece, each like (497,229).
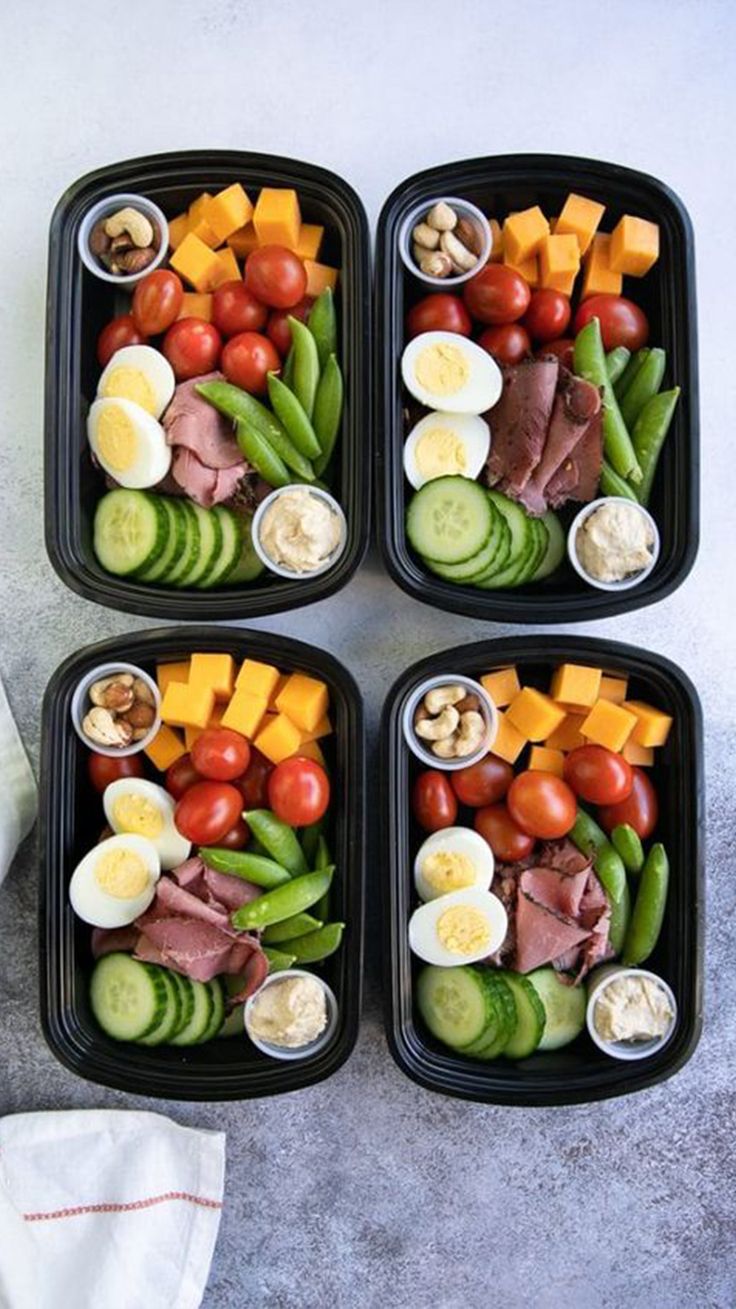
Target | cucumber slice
(499,1031)
(181,564)
(201,1019)
(186,1000)
(455,1003)
(171,1019)
(530,1016)
(523,542)
(130,531)
(192,512)
(539,538)
(156,570)
(218,1011)
(128,998)
(208,548)
(449,520)
(564,1008)
(480,562)
(230,548)
(502,556)
(234,1024)
(247,566)
(556,546)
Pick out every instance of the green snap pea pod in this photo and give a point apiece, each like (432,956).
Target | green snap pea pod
(255,847)
(322,859)
(590,363)
(287,372)
(285,901)
(317,945)
(293,417)
(297,925)
(628,844)
(309,840)
(306,365)
(616,361)
(284,447)
(261,454)
(649,907)
(243,863)
(241,406)
(322,323)
(646,384)
(279,839)
(328,412)
(609,866)
(612,484)
(278,960)
(629,373)
(652,427)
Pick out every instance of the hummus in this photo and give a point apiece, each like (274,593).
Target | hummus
(299,531)
(632,1009)
(614,542)
(291,1012)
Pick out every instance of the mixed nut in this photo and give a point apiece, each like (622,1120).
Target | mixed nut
(123,711)
(445,243)
(125,242)
(449,722)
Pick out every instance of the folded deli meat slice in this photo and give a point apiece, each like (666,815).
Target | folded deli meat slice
(558,892)
(541,935)
(206,486)
(578,476)
(577,403)
(519,423)
(194,423)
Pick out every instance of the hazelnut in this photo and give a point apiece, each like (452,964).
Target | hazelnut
(140,715)
(99,241)
(134,261)
(468,703)
(142,691)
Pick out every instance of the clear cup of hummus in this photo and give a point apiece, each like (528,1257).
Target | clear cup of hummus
(293,1015)
(299,531)
(613,543)
(631,1013)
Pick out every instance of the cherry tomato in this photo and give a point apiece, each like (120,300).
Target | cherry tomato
(276,276)
(247,359)
(180,776)
(235,309)
(156,301)
(483,783)
(207,811)
(254,782)
(498,828)
(104,769)
(438,312)
(640,809)
(237,838)
(221,754)
(119,331)
(277,328)
(192,347)
(562,348)
(548,315)
(509,343)
(598,775)
(622,322)
(541,805)
(497,294)
(433,801)
(299,791)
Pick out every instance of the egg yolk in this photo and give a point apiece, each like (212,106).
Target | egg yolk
(441,453)
(121,874)
(130,384)
(442,369)
(448,870)
(138,814)
(463,930)
(116,438)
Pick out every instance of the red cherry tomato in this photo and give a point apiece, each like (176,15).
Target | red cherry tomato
(277,328)
(509,343)
(598,775)
(276,276)
(548,315)
(497,294)
(299,791)
(622,322)
(221,754)
(247,359)
(156,301)
(433,801)
(104,769)
(207,811)
(562,348)
(498,828)
(180,776)
(640,809)
(119,332)
(483,783)
(237,838)
(438,312)
(254,782)
(192,347)
(542,805)
(235,309)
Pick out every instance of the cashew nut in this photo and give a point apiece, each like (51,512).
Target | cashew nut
(433,263)
(436,729)
(471,733)
(441,217)
(114,693)
(436,699)
(462,258)
(425,236)
(100,726)
(132,221)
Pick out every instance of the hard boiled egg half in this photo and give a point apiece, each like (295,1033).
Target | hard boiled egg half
(459,928)
(446,445)
(443,370)
(128,442)
(453,859)
(116,882)
(141,374)
(134,805)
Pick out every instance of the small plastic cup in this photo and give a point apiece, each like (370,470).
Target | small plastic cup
(627,1051)
(81,705)
(103,209)
(464,209)
(415,743)
(288,1052)
(279,569)
(572,550)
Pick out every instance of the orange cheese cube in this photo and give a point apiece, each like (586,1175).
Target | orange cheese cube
(244,713)
(534,714)
(319,277)
(276,217)
(496,254)
(568,735)
(196,304)
(542,759)
(501,686)
(323,728)
(559,262)
(283,679)
(529,269)
(198,206)
(192,734)
(187,706)
(215,670)
(305,700)
(203,230)
(598,276)
(165,748)
(608,724)
(642,756)
(279,739)
(178,228)
(311,750)
(310,240)
(508,743)
(580,217)
(198,224)
(523,234)
(577,685)
(634,246)
(614,688)
(165,673)
(227,211)
(652,726)
(195,262)
(244,241)
(227,268)
(258,678)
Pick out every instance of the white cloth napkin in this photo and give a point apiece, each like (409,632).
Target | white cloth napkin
(18,797)
(110,1208)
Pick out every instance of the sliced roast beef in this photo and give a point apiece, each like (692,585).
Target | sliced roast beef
(562,855)
(177,901)
(206,486)
(578,476)
(190,876)
(108,940)
(594,901)
(559,892)
(576,404)
(519,423)
(542,936)
(253,974)
(597,948)
(232,892)
(188,945)
(194,423)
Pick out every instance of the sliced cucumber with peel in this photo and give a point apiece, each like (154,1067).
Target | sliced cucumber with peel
(449,520)
(564,1008)
(130,531)
(129,999)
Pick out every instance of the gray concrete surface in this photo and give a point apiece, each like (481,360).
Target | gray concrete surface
(367,1191)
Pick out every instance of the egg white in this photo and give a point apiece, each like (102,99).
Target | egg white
(478,393)
(156,377)
(151,455)
(172,848)
(460,840)
(425,942)
(94,905)
(470,430)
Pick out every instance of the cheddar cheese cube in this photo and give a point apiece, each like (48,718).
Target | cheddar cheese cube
(640,755)
(634,246)
(178,228)
(244,713)
(198,224)
(227,268)
(652,726)
(523,234)
(542,759)
(279,739)
(305,700)
(608,724)
(283,679)
(195,262)
(323,728)
(559,262)
(580,217)
(244,241)
(196,304)
(215,670)
(310,240)
(187,706)
(175,672)
(534,714)
(567,736)
(227,211)
(258,678)
(614,689)
(508,743)
(598,276)
(501,686)
(319,277)
(276,217)
(496,254)
(576,685)
(192,734)
(165,748)
(529,269)
(311,750)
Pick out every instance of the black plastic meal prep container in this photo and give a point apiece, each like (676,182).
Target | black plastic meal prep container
(579,1073)
(71,819)
(498,185)
(78,306)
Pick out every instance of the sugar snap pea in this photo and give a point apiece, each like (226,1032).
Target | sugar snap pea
(297,925)
(287,372)
(261,454)
(609,866)
(322,323)
(279,839)
(628,844)
(616,361)
(306,365)
(237,404)
(285,901)
(292,415)
(629,373)
(309,838)
(317,945)
(278,960)
(649,435)
(243,863)
(590,363)
(612,484)
(649,907)
(327,412)
(322,859)
(646,384)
